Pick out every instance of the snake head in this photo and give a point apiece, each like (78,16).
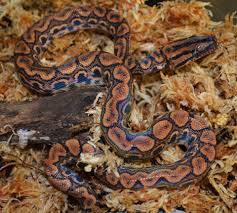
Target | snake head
(181,52)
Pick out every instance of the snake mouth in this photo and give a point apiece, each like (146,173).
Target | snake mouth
(180,52)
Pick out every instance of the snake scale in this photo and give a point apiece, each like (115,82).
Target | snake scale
(177,127)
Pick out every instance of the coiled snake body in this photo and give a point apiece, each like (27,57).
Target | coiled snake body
(178,127)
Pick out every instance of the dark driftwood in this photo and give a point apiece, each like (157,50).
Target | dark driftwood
(53,118)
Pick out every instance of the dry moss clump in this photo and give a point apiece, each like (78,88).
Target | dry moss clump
(207,87)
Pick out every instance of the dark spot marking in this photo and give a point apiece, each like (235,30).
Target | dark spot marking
(82,78)
(70,28)
(96,73)
(59,85)
(43,40)
(76,23)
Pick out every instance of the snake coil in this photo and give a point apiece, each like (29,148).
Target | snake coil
(178,127)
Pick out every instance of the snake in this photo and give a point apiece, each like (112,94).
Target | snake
(92,68)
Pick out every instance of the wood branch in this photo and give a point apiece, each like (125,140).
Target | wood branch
(49,119)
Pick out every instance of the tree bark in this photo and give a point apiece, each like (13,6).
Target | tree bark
(49,119)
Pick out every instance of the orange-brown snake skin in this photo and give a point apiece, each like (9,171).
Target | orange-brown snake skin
(177,127)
